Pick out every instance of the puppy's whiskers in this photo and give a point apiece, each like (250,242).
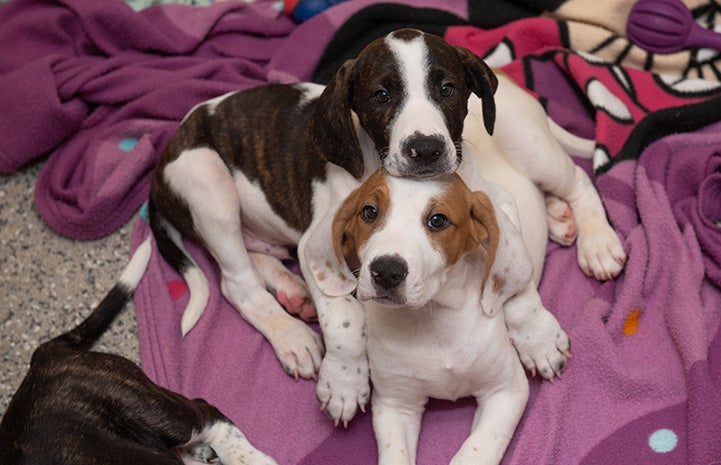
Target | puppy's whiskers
(383,153)
(459,150)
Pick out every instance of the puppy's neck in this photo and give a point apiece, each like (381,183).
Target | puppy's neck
(462,283)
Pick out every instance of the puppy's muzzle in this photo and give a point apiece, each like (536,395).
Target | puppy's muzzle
(425,153)
(388,272)
(424,150)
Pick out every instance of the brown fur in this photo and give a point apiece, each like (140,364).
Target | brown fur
(349,230)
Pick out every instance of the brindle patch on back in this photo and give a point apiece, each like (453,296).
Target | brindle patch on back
(260,134)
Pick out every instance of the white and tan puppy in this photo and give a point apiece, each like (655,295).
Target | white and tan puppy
(429,256)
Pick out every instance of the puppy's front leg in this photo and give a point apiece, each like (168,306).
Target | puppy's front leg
(495,422)
(541,343)
(343,384)
(344,379)
(396,429)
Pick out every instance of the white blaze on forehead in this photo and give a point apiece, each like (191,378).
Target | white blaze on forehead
(412,59)
(402,231)
(418,113)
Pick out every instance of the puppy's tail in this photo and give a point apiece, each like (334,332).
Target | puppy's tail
(84,335)
(170,245)
(571,143)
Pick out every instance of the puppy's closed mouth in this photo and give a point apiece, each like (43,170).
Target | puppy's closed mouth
(388,299)
(423,172)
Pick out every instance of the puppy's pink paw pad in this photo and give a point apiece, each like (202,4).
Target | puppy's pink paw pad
(298,305)
(562,227)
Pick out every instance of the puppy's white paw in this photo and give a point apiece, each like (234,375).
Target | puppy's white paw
(600,252)
(542,345)
(562,227)
(224,443)
(343,387)
(298,347)
(257,458)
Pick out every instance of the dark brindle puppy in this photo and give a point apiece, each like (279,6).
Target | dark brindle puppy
(77,407)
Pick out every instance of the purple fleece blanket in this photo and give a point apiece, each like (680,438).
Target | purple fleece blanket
(105,88)
(102,91)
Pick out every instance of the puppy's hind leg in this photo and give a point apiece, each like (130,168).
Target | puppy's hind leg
(600,252)
(210,193)
(530,143)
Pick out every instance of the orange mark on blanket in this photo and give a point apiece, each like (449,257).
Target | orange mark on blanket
(177,288)
(630,326)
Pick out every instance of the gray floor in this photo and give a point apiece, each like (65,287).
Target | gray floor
(48,283)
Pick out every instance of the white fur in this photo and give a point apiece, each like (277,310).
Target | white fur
(343,380)
(310,91)
(134,271)
(229,444)
(211,104)
(525,158)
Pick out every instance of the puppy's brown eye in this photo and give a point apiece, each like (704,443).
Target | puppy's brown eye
(447,89)
(369,213)
(382,96)
(437,222)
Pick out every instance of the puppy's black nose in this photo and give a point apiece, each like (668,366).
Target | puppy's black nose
(424,150)
(388,271)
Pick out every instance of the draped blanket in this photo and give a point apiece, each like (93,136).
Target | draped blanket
(97,89)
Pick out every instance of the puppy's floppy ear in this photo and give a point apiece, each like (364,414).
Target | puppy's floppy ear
(327,248)
(483,82)
(331,133)
(508,267)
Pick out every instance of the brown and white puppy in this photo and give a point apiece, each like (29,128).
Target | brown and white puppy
(249,173)
(429,257)
(89,408)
